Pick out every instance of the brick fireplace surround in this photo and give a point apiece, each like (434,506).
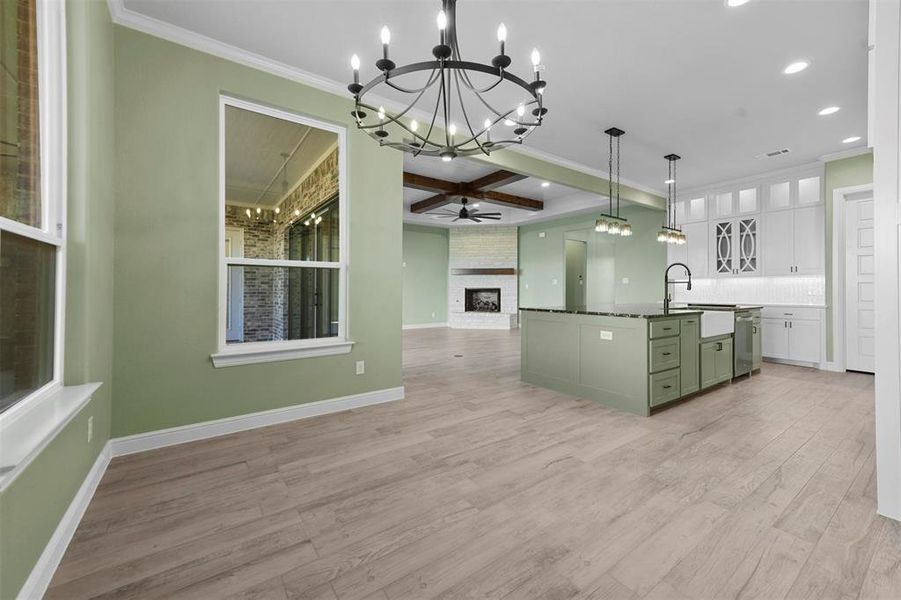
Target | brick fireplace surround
(483,247)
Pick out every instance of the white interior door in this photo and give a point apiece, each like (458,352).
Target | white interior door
(860,286)
(234,311)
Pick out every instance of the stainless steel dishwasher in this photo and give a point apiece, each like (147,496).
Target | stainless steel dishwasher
(744,343)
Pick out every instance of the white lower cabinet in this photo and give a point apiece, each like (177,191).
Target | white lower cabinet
(793,334)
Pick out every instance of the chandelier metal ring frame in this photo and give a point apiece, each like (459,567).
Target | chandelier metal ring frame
(452,76)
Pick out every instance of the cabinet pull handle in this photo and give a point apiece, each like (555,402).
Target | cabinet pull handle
(667,353)
(667,329)
(666,387)
(789,324)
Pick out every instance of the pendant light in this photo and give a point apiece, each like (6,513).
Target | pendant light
(669,232)
(609,222)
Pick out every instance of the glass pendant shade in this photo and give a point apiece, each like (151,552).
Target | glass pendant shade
(600,226)
(614,228)
(626,230)
(662,236)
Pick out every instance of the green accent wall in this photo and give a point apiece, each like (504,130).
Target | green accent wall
(425,256)
(857,170)
(31,507)
(640,258)
(167,244)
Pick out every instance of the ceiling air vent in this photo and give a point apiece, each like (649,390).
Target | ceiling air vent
(773,153)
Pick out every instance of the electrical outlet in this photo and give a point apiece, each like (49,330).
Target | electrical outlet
(90,428)
(433,315)
(607,335)
(404,264)
(542,234)
(554,281)
(361,367)
(527,286)
(625,281)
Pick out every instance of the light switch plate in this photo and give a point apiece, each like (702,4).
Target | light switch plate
(361,367)
(625,281)
(607,335)
(542,234)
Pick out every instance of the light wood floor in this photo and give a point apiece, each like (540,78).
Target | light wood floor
(478,486)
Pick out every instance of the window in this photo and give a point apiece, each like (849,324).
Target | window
(284,244)
(32,197)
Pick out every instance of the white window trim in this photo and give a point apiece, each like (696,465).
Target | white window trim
(52,102)
(258,352)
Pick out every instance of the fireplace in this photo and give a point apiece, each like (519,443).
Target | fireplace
(483,300)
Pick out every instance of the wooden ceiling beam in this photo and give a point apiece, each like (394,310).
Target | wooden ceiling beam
(429,184)
(430,203)
(512,201)
(494,180)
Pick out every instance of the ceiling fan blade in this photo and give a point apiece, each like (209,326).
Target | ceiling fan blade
(445,216)
(491,218)
(474,219)
(494,214)
(455,220)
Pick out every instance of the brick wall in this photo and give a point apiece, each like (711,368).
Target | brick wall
(20,174)
(483,246)
(266,236)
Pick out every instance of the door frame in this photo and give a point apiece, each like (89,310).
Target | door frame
(839,197)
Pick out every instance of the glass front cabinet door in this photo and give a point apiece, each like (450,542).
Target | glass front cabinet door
(735,247)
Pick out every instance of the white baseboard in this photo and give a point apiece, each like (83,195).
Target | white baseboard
(200,431)
(425,325)
(42,573)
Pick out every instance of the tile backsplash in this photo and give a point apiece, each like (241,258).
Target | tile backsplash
(756,290)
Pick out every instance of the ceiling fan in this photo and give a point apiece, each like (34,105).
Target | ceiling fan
(472,214)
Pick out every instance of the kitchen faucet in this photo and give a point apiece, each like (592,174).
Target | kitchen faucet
(667,281)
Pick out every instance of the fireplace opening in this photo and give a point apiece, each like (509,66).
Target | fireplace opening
(483,299)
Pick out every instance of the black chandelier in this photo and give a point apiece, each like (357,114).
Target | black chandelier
(611,222)
(669,232)
(452,78)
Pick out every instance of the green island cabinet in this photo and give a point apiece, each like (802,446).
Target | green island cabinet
(634,362)
(716,361)
(673,370)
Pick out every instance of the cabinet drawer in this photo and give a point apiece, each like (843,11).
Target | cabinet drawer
(788,313)
(665,387)
(664,354)
(664,328)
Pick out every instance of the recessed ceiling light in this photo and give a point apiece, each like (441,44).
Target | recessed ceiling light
(829,110)
(669,181)
(851,140)
(734,3)
(545,183)
(796,67)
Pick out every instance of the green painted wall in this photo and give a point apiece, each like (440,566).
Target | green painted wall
(166,253)
(640,258)
(857,170)
(31,507)
(425,256)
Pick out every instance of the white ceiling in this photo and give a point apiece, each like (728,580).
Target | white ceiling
(254,144)
(692,77)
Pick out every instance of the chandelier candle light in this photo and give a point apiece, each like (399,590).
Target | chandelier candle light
(458,86)
(669,232)
(613,223)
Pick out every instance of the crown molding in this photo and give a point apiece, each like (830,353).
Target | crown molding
(849,153)
(173,33)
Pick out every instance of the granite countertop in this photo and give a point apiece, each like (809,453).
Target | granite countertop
(637,311)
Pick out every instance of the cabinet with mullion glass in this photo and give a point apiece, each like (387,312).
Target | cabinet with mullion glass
(735,247)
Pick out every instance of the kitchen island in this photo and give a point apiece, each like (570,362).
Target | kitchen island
(630,357)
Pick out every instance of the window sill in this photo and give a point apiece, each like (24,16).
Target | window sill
(263,352)
(25,433)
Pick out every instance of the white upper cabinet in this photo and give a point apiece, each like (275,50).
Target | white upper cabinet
(747,200)
(769,226)
(794,241)
(779,196)
(735,247)
(778,242)
(810,240)
(694,251)
(691,210)
(809,191)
